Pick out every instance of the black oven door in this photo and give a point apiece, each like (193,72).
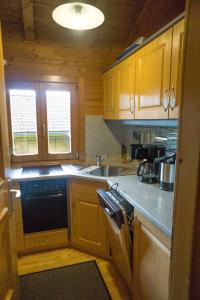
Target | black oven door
(44,212)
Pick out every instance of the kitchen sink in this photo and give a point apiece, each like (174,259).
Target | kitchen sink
(109,171)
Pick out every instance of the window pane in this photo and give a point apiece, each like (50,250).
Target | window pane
(58,121)
(23,122)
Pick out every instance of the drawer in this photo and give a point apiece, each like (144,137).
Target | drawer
(19,231)
(37,240)
(87,187)
(90,198)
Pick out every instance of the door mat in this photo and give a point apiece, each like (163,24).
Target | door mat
(81,281)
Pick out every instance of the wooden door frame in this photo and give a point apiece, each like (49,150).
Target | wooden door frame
(185,265)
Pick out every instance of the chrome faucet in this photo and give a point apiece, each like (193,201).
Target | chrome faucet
(100,159)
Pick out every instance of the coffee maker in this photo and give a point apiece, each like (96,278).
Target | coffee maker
(145,169)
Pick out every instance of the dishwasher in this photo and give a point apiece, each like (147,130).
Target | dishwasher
(118,214)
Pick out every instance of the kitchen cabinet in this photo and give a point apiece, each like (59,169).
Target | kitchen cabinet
(9,285)
(151,261)
(87,222)
(110,90)
(8,266)
(176,69)
(125,88)
(146,85)
(153,63)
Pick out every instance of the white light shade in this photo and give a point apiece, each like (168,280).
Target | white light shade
(78,16)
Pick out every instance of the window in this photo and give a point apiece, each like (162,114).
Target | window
(43,121)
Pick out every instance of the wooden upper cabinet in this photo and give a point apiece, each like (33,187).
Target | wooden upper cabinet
(176,68)
(126,85)
(110,90)
(153,78)
(146,85)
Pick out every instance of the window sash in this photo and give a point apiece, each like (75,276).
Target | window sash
(41,114)
(74,119)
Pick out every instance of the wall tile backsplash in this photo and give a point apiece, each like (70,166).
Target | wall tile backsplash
(99,138)
(103,138)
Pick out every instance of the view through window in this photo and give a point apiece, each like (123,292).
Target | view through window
(23,122)
(58,121)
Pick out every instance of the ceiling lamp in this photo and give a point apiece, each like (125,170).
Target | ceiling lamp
(78,16)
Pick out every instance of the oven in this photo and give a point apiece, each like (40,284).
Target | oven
(118,214)
(44,205)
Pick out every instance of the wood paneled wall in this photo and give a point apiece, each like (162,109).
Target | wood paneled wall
(28,60)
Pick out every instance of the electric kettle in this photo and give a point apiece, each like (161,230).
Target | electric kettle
(165,170)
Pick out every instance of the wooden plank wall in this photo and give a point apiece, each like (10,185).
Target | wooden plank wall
(30,59)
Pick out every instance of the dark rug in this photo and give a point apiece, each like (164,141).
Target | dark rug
(76,282)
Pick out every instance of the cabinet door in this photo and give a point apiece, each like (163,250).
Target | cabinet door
(176,69)
(153,78)
(151,266)
(8,263)
(88,227)
(126,82)
(110,90)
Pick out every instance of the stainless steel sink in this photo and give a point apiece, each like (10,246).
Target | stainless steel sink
(109,171)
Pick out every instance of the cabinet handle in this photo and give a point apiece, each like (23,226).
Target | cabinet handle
(132,104)
(165,101)
(17,193)
(13,194)
(172,102)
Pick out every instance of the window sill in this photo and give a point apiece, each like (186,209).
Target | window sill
(46,163)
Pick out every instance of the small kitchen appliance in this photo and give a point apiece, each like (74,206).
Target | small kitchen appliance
(145,169)
(165,170)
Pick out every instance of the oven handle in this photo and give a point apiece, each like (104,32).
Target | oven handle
(50,196)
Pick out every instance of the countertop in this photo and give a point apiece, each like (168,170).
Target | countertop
(156,205)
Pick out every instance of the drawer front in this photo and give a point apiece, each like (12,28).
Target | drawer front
(87,187)
(38,240)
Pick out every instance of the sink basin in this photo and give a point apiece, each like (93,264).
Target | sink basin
(109,171)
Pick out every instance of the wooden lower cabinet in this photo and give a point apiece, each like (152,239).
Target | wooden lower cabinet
(87,222)
(8,260)
(151,261)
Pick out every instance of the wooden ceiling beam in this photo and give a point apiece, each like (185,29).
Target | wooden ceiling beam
(28,19)
(101,4)
(143,11)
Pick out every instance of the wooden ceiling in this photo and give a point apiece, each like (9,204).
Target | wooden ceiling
(125,20)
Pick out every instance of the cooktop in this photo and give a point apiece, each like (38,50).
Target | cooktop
(47,170)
